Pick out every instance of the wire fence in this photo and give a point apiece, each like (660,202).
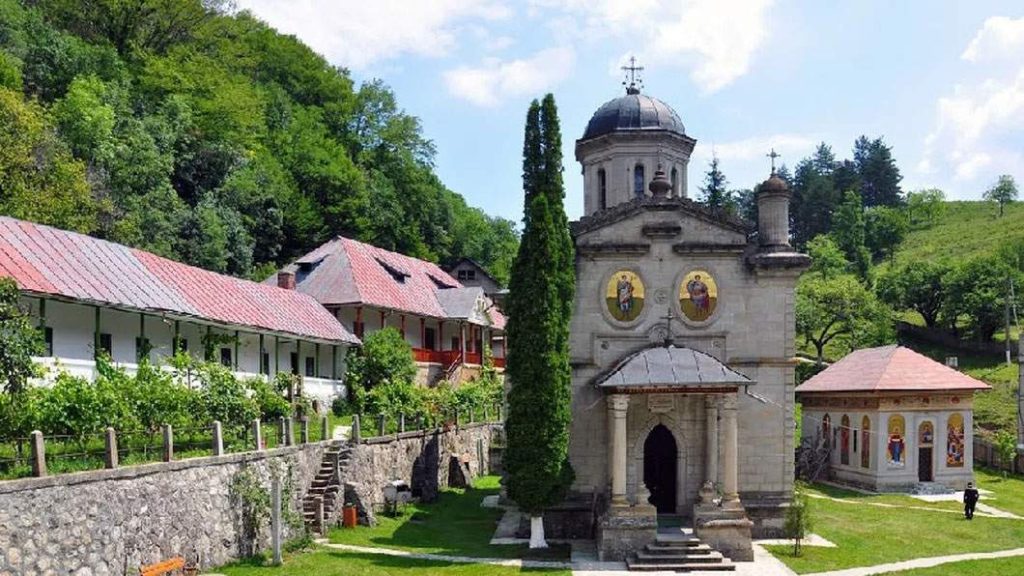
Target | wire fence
(61,454)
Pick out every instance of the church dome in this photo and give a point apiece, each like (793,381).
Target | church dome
(634,111)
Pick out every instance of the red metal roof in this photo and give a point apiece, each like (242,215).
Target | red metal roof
(46,260)
(348,272)
(889,369)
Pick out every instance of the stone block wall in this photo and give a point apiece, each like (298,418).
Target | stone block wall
(112,521)
(108,522)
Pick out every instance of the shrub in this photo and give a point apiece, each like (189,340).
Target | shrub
(224,398)
(269,401)
(340,406)
(384,357)
(76,407)
(798,519)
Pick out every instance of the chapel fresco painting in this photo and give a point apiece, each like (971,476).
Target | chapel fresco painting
(865,442)
(955,441)
(844,440)
(625,296)
(698,295)
(896,447)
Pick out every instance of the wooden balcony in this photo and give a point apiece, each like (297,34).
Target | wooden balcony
(449,357)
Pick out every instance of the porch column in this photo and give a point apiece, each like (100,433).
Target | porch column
(707,492)
(617,405)
(731,497)
(462,341)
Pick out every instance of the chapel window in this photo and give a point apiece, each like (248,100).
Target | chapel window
(844,440)
(865,442)
(602,189)
(638,180)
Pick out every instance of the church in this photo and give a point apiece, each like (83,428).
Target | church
(682,346)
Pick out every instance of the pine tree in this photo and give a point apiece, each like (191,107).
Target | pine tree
(849,233)
(713,191)
(539,304)
(878,173)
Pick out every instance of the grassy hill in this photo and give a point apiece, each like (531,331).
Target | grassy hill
(965,229)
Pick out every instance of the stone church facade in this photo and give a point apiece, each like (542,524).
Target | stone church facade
(682,343)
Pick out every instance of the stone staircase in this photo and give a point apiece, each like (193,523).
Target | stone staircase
(327,484)
(677,549)
(931,489)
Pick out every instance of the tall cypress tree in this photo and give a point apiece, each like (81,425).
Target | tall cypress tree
(539,304)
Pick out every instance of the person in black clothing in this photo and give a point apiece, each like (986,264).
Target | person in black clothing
(970,500)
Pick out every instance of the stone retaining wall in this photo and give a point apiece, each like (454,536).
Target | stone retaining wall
(423,459)
(109,522)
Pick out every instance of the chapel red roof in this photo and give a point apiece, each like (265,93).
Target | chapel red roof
(49,261)
(889,369)
(344,271)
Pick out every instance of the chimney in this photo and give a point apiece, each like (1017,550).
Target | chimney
(286,280)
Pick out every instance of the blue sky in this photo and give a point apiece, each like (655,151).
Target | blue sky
(941,80)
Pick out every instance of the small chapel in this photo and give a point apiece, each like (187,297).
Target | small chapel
(682,346)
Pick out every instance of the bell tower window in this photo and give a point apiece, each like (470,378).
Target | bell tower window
(602,190)
(675,182)
(638,180)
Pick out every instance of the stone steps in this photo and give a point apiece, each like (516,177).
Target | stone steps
(679,551)
(325,486)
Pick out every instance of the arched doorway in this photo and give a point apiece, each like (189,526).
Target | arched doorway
(660,459)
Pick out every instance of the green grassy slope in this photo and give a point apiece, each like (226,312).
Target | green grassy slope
(965,229)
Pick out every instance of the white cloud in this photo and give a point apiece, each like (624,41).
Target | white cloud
(791,147)
(357,34)
(716,40)
(999,38)
(979,124)
(495,79)
(976,128)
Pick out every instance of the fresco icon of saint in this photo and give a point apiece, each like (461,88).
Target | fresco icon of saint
(698,295)
(625,295)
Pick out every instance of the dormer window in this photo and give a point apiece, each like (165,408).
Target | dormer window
(441,284)
(396,273)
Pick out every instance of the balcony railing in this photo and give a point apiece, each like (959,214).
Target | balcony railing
(448,357)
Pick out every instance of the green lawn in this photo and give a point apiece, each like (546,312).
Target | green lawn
(1008,493)
(338,563)
(870,535)
(455,524)
(998,567)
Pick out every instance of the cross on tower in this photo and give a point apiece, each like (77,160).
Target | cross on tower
(668,326)
(631,75)
(773,155)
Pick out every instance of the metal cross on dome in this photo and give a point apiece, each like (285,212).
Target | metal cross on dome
(632,76)
(773,155)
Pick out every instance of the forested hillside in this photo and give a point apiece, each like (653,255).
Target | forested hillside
(206,136)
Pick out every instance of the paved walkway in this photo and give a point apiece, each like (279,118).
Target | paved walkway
(921,563)
(981,511)
(511,562)
(342,432)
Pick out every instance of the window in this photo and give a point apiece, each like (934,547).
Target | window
(826,429)
(602,189)
(294,357)
(467,275)
(357,328)
(107,344)
(48,339)
(142,348)
(429,338)
(225,357)
(638,180)
(310,366)
(865,443)
(675,182)
(180,345)
(265,366)
(844,440)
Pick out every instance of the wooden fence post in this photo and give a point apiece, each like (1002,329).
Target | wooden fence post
(257,434)
(168,443)
(218,439)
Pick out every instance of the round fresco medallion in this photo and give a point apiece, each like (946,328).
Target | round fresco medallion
(698,296)
(625,296)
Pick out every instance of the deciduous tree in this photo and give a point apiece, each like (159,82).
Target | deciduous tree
(1003,192)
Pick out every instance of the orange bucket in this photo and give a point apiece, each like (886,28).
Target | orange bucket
(349,516)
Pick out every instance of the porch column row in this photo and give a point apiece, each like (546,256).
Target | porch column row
(617,405)
(730,484)
(711,448)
